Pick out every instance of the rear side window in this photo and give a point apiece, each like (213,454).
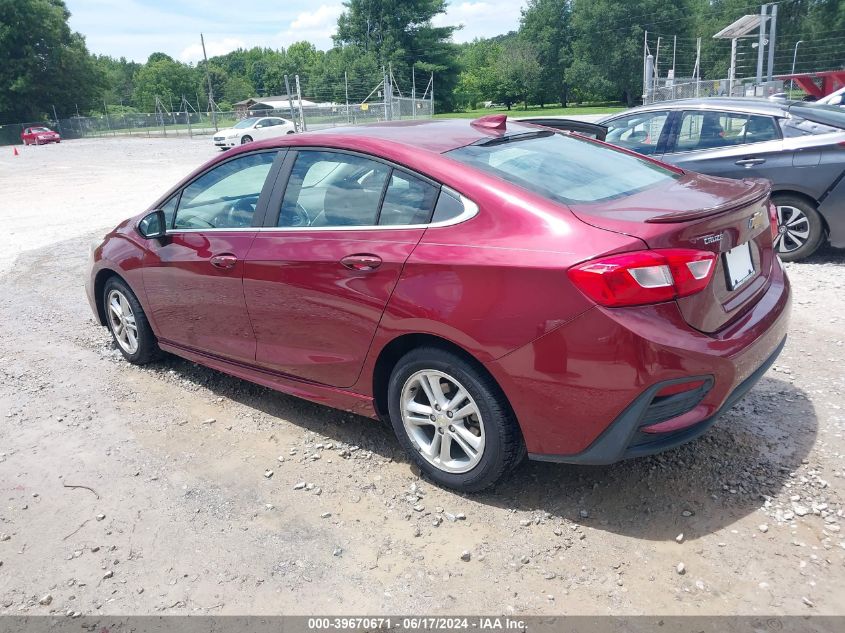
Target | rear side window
(796,126)
(333,189)
(711,130)
(408,200)
(563,167)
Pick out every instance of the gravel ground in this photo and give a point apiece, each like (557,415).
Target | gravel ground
(176,489)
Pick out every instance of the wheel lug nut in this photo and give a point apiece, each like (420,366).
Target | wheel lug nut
(450,414)
(452,428)
(437,407)
(433,418)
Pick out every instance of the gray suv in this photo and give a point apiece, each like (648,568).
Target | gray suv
(798,146)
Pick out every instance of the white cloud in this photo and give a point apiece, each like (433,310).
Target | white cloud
(316,27)
(481,19)
(213,47)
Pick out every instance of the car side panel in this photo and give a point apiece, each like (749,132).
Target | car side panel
(832,208)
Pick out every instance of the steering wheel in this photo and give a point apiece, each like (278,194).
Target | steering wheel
(239,213)
(294,217)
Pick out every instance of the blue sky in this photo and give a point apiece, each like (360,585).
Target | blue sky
(136,28)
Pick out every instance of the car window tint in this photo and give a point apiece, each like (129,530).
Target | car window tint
(448,207)
(408,200)
(796,126)
(333,189)
(638,132)
(708,130)
(226,196)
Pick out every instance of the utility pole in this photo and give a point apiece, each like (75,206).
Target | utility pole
(299,99)
(773,22)
(697,72)
(432,93)
(413,93)
(656,67)
(210,89)
(761,42)
(56,119)
(794,57)
(674,50)
(346,87)
(290,105)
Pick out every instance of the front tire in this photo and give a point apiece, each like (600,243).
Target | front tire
(453,420)
(246,139)
(800,228)
(127,323)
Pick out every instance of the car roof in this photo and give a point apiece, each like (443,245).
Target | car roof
(748,105)
(434,135)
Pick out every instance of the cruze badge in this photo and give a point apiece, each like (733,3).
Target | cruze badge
(712,239)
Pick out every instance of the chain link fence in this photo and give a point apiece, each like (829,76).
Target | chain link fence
(190,124)
(667,89)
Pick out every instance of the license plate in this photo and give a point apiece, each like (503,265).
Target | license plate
(739,267)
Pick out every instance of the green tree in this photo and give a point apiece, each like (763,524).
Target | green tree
(44,63)
(164,78)
(517,73)
(400,33)
(608,41)
(546,25)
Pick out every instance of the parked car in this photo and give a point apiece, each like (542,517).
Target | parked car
(39,135)
(488,287)
(253,129)
(836,98)
(796,145)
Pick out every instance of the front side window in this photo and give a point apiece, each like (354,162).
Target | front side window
(245,123)
(565,168)
(226,196)
(329,189)
(638,132)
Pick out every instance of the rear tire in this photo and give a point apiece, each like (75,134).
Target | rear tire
(127,323)
(800,228)
(471,419)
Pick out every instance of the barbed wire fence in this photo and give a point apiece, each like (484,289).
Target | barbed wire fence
(314,110)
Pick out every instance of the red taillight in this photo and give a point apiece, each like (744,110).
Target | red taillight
(644,277)
(773,219)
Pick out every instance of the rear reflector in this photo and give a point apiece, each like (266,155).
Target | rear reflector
(773,219)
(644,277)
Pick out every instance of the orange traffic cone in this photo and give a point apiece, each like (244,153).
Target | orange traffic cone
(15,151)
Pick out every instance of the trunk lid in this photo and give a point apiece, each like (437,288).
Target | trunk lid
(727,217)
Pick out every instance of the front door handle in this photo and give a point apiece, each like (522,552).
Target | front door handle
(362,262)
(226,262)
(748,162)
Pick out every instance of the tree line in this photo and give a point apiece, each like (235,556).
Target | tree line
(562,51)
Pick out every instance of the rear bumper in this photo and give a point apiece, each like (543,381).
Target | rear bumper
(623,439)
(584,393)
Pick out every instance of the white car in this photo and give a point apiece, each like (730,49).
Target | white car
(253,129)
(834,98)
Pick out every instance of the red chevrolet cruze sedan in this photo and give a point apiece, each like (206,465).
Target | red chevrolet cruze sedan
(491,288)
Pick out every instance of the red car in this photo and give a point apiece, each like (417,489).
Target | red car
(490,288)
(39,136)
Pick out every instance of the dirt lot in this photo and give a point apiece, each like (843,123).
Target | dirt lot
(192,503)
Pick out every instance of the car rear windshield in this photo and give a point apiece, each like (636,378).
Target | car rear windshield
(831,116)
(565,168)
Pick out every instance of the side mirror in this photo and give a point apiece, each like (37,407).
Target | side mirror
(153,225)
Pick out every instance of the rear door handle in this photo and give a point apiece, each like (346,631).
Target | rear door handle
(225,262)
(362,261)
(748,162)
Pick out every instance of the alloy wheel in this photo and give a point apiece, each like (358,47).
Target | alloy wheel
(442,421)
(122,321)
(793,229)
